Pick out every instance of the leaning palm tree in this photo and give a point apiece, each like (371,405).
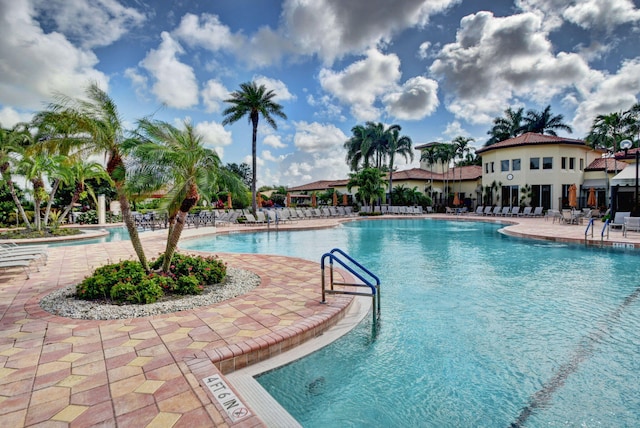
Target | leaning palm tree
(544,122)
(13,143)
(396,144)
(177,160)
(100,130)
(253,101)
(79,173)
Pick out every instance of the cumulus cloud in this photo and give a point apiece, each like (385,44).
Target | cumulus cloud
(616,92)
(495,59)
(274,141)
(35,65)
(213,94)
(10,117)
(333,28)
(455,129)
(602,15)
(214,136)
(175,82)
(206,31)
(90,23)
(277,86)
(317,137)
(361,83)
(417,99)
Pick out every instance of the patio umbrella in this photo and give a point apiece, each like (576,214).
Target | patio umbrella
(259,201)
(314,201)
(229,200)
(573,200)
(456,199)
(335,199)
(288,199)
(591,200)
(344,199)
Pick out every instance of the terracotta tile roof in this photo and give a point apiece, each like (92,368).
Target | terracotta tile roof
(472,172)
(612,165)
(529,139)
(318,185)
(425,145)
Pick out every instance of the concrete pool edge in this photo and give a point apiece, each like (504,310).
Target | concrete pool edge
(271,413)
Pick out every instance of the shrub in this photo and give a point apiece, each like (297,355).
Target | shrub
(127,282)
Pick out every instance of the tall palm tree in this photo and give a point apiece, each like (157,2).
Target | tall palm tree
(177,159)
(461,149)
(396,144)
(354,148)
(544,122)
(13,143)
(253,101)
(444,154)
(506,127)
(607,131)
(101,130)
(430,155)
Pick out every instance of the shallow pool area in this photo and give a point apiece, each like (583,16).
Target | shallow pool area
(477,329)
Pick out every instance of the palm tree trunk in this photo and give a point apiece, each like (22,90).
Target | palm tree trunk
(172,240)
(47,211)
(131,227)
(74,199)
(16,200)
(254,154)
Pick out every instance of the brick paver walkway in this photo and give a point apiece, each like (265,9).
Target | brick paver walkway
(148,371)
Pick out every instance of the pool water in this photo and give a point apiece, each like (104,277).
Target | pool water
(115,234)
(478,329)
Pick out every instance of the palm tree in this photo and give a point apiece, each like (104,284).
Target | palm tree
(461,149)
(177,159)
(607,131)
(253,101)
(354,148)
(370,185)
(396,144)
(12,147)
(506,127)
(544,122)
(430,155)
(444,154)
(100,130)
(79,173)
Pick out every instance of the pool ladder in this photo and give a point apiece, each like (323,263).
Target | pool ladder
(348,263)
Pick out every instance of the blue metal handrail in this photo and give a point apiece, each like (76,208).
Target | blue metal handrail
(374,287)
(605,227)
(590,225)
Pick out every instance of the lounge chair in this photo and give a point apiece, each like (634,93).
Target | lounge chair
(496,211)
(618,219)
(448,210)
(24,264)
(479,210)
(487,210)
(630,224)
(526,212)
(12,254)
(505,211)
(537,212)
(515,211)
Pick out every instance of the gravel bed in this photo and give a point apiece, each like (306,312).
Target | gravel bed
(62,303)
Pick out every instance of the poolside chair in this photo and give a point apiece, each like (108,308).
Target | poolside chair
(496,210)
(618,219)
(260,217)
(505,211)
(24,253)
(630,224)
(526,212)
(479,210)
(515,211)
(487,210)
(24,264)
(448,210)
(429,209)
(537,212)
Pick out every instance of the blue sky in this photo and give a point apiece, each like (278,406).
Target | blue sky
(438,68)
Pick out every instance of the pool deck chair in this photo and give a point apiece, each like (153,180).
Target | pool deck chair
(631,224)
(537,212)
(487,210)
(618,219)
(526,212)
(24,264)
(479,210)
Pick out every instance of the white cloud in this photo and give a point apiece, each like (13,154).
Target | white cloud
(423,50)
(176,84)
(495,59)
(10,117)
(617,92)
(316,137)
(361,83)
(213,93)
(274,141)
(455,129)
(35,65)
(417,99)
(206,31)
(138,81)
(277,86)
(334,28)
(91,23)
(602,14)
(214,136)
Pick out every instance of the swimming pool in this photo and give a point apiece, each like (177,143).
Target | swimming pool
(478,329)
(115,234)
